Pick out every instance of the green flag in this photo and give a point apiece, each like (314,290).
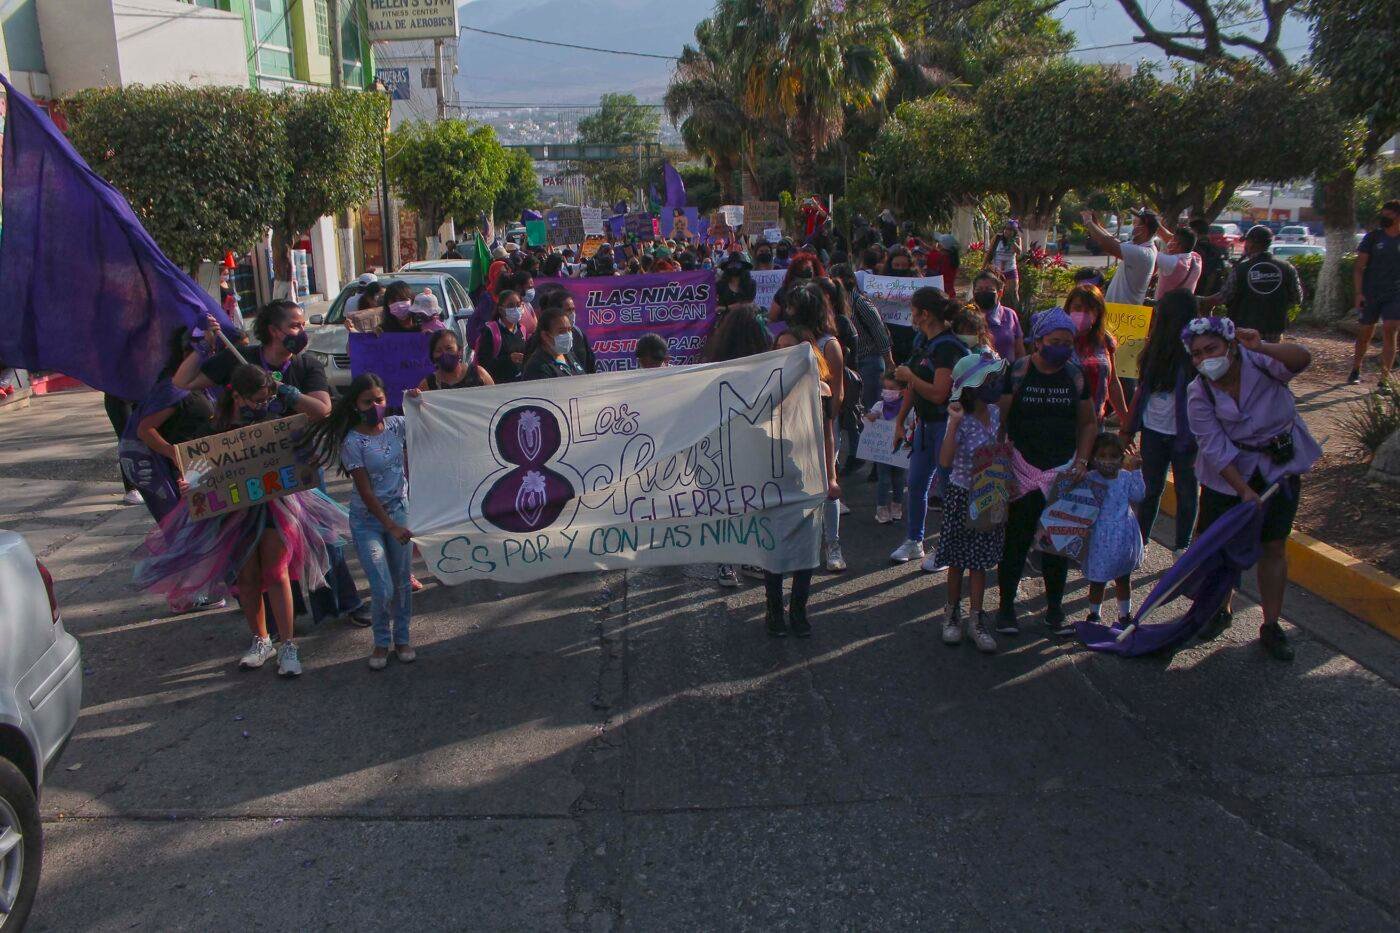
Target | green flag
(481,264)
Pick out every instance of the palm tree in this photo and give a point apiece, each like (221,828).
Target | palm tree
(803,62)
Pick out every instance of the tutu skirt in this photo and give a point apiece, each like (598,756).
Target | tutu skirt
(181,558)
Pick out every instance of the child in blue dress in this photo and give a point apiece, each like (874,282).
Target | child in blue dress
(1115,544)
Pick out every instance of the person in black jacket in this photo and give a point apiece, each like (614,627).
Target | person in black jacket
(554,356)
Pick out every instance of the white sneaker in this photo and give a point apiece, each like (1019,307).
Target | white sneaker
(132,498)
(930,564)
(981,635)
(727,576)
(882,515)
(909,550)
(288,661)
(258,655)
(952,626)
(835,561)
(842,508)
(897,512)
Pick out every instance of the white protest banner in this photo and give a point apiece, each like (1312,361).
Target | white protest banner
(877,444)
(592,221)
(411,19)
(890,294)
(768,282)
(720,462)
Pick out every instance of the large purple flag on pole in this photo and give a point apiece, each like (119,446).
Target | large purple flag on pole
(86,290)
(675,186)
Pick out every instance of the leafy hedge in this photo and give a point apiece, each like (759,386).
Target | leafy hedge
(1309,267)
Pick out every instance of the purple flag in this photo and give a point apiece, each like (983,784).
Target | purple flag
(613,311)
(675,186)
(86,290)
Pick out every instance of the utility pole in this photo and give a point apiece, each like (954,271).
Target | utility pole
(337,52)
(441,80)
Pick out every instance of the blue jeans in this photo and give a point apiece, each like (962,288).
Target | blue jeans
(923,470)
(387,564)
(872,370)
(1157,455)
(889,484)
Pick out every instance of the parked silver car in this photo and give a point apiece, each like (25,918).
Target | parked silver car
(41,689)
(329,340)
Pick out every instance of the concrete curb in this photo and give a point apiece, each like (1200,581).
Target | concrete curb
(1344,581)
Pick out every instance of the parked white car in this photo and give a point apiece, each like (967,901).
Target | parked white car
(41,689)
(1295,234)
(1285,250)
(329,341)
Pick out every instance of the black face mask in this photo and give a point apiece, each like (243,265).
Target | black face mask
(1385,222)
(295,343)
(985,300)
(763,257)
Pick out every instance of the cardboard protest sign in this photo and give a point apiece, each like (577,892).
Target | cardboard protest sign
(565,226)
(1068,520)
(768,282)
(614,311)
(992,489)
(591,245)
(890,294)
(759,216)
(401,360)
(247,466)
(877,444)
(536,233)
(1129,325)
(721,462)
(592,218)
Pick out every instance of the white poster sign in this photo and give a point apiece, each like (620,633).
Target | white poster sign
(890,294)
(768,282)
(877,444)
(733,215)
(720,462)
(411,19)
(592,221)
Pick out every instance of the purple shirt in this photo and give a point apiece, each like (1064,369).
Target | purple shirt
(1004,325)
(1265,409)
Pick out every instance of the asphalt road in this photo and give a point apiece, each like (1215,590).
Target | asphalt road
(628,750)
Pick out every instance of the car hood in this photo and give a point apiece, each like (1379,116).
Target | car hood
(332,339)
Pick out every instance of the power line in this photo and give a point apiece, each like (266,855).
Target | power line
(566,45)
(480,105)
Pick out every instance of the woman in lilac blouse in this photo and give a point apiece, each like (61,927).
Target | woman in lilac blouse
(1249,437)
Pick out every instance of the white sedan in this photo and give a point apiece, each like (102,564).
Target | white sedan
(41,689)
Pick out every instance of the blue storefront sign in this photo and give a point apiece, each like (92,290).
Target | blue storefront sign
(396,80)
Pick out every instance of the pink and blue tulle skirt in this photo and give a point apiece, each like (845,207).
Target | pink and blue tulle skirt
(182,558)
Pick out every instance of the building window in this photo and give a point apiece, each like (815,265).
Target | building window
(352,70)
(274,36)
(323,29)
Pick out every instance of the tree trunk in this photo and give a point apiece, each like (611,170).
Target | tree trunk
(282,284)
(724,176)
(1338,224)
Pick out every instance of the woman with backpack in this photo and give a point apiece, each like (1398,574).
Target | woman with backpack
(928,381)
(1047,413)
(500,349)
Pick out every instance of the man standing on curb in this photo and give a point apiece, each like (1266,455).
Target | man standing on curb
(1377,281)
(1261,288)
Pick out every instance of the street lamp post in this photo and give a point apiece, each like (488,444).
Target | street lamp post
(384,228)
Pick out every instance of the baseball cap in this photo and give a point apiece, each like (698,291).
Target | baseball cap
(367,278)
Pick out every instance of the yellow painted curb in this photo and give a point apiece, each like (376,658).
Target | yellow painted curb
(1344,581)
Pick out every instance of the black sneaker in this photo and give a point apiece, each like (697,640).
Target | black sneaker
(1218,624)
(777,628)
(1006,623)
(1056,622)
(1275,642)
(1355,378)
(800,626)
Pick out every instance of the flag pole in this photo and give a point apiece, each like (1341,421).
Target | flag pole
(229,343)
(1267,494)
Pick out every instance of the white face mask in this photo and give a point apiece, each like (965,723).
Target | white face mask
(1214,368)
(512,314)
(564,342)
(529,294)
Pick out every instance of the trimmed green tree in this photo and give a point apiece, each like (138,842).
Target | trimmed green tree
(206,169)
(452,168)
(521,188)
(620,120)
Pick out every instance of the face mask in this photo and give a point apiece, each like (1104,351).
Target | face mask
(511,314)
(782,254)
(764,257)
(1055,355)
(990,391)
(373,415)
(902,273)
(401,309)
(1108,468)
(564,342)
(252,412)
(891,395)
(805,274)
(529,294)
(1083,320)
(447,361)
(1385,222)
(1214,368)
(295,343)
(985,300)
(971,341)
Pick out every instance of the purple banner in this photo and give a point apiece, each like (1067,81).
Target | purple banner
(401,360)
(613,311)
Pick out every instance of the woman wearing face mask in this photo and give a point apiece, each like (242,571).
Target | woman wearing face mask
(1250,437)
(450,371)
(1046,412)
(1159,413)
(1003,323)
(900,264)
(259,549)
(398,308)
(929,377)
(582,351)
(371,448)
(555,356)
(1095,351)
(500,349)
(805,267)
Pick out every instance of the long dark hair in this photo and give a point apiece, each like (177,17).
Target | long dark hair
(1163,355)
(806,307)
(931,300)
(894,253)
(1097,336)
(325,437)
(736,334)
(247,380)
